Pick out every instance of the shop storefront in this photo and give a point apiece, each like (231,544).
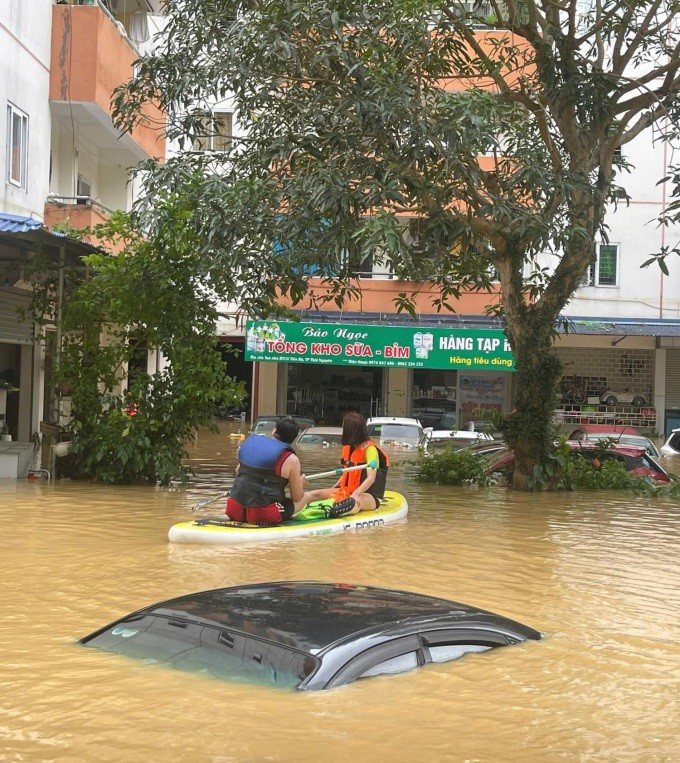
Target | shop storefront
(322,370)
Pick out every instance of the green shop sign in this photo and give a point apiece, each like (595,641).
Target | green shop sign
(340,344)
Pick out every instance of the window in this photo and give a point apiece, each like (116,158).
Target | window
(604,269)
(17,146)
(189,646)
(83,189)
(214,132)
(448,652)
(394,665)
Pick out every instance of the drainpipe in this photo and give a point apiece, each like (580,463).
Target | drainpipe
(256,392)
(663,212)
(57,349)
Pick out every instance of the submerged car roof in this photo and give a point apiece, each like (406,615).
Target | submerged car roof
(399,420)
(625,450)
(606,429)
(310,615)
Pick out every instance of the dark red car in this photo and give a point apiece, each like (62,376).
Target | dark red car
(637,460)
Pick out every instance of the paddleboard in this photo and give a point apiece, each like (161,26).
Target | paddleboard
(221,530)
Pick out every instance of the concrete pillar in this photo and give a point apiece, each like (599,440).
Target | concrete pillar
(37,383)
(660,389)
(25,394)
(398,391)
(265,385)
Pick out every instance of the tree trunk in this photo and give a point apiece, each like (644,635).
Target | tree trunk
(531,429)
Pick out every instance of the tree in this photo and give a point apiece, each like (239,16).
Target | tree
(359,113)
(148,296)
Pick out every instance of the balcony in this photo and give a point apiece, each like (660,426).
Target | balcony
(91,56)
(77,212)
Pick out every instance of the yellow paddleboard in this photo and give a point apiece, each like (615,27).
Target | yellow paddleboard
(221,530)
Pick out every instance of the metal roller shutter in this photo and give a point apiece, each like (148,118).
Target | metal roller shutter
(672,378)
(11,330)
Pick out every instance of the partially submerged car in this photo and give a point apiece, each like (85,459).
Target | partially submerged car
(451,438)
(394,429)
(305,635)
(324,436)
(636,459)
(672,445)
(265,424)
(622,435)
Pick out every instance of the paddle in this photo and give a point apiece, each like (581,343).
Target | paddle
(332,473)
(203,504)
(336,472)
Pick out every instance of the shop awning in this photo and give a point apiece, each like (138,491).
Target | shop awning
(619,327)
(25,232)
(567,324)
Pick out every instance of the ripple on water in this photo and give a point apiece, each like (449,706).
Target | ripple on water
(597,574)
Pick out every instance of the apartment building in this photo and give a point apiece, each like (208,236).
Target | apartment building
(63,164)
(621,341)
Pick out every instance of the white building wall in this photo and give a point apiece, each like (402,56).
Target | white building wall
(641,292)
(25,29)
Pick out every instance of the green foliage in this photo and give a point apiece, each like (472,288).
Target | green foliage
(452,467)
(350,135)
(150,296)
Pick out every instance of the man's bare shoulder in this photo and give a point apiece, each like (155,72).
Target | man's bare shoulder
(290,464)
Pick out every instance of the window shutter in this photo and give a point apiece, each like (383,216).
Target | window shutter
(672,378)
(607,274)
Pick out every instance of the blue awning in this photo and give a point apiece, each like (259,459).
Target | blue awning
(17,228)
(18,223)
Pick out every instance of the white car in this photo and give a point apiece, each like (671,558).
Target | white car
(672,445)
(395,429)
(456,438)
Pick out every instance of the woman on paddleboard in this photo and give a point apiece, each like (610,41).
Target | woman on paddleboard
(365,487)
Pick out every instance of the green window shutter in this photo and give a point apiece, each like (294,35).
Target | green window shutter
(608,265)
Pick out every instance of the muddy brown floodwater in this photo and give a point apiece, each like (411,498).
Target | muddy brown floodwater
(598,574)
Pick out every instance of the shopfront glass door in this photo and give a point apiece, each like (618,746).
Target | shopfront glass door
(326,393)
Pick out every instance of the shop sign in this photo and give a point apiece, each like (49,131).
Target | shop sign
(351,345)
(477,391)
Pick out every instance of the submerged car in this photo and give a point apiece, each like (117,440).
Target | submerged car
(394,429)
(672,445)
(265,424)
(438,439)
(305,635)
(636,459)
(622,435)
(323,436)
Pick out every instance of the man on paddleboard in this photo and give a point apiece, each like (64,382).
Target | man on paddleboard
(266,466)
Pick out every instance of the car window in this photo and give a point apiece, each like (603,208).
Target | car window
(201,649)
(395,431)
(449,420)
(674,442)
(264,425)
(448,652)
(362,664)
(319,439)
(394,665)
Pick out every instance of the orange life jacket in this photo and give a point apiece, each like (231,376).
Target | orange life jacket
(350,481)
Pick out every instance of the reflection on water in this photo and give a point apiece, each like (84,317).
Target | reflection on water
(598,574)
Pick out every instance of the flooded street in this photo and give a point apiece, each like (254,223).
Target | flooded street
(597,573)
